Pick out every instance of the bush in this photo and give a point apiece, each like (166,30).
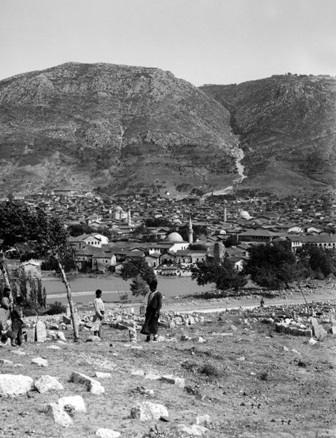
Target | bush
(210,370)
(56,308)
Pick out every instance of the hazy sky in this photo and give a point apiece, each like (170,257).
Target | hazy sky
(202,41)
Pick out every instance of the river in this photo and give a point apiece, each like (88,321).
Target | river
(83,288)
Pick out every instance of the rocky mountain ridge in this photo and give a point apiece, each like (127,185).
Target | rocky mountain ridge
(287,130)
(118,128)
(121,129)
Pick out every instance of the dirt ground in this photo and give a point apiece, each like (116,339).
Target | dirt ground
(250,380)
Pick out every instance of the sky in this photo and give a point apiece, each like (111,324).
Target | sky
(201,41)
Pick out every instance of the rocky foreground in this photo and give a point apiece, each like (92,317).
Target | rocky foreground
(262,372)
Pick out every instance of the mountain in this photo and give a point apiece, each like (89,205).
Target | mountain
(287,129)
(114,128)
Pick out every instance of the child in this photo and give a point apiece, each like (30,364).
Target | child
(99,316)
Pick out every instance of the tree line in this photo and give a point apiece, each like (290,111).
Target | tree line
(272,266)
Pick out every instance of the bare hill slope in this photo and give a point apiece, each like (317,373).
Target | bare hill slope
(287,129)
(115,127)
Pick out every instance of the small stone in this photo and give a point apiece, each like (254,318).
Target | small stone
(54,347)
(5,362)
(59,415)
(40,362)
(312,341)
(138,373)
(147,411)
(100,375)
(76,402)
(195,429)
(61,336)
(107,433)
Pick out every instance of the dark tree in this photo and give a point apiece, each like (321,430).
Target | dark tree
(318,260)
(224,275)
(271,265)
(138,267)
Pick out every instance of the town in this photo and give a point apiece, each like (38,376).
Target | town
(174,234)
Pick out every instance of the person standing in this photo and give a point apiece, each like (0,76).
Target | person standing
(17,322)
(154,304)
(6,302)
(99,314)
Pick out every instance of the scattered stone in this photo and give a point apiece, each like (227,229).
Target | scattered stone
(138,373)
(92,385)
(94,339)
(312,341)
(54,347)
(241,359)
(40,361)
(296,352)
(107,433)
(66,320)
(47,383)
(132,333)
(40,332)
(12,384)
(178,381)
(61,336)
(152,376)
(319,331)
(285,349)
(147,411)
(19,352)
(75,402)
(101,375)
(5,362)
(59,415)
(195,429)
(203,420)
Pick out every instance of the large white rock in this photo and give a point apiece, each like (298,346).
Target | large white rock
(107,433)
(47,383)
(147,411)
(76,402)
(59,415)
(12,384)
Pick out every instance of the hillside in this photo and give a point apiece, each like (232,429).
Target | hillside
(287,128)
(220,375)
(111,127)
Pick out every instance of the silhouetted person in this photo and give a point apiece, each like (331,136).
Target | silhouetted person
(154,304)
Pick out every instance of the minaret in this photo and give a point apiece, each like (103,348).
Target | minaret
(129,218)
(225,214)
(190,233)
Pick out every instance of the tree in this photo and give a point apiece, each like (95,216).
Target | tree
(32,230)
(137,268)
(139,287)
(318,260)
(271,265)
(223,274)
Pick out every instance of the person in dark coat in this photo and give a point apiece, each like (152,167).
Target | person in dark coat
(17,322)
(154,304)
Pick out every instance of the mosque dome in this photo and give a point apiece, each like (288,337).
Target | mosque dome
(117,208)
(174,237)
(244,215)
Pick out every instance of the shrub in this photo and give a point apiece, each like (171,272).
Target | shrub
(210,370)
(56,308)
